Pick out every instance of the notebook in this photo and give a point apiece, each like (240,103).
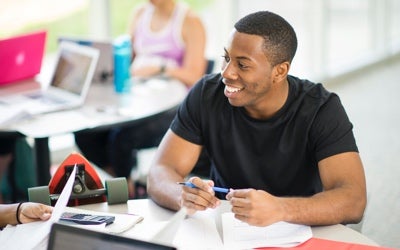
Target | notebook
(105,68)
(70,81)
(21,56)
(67,237)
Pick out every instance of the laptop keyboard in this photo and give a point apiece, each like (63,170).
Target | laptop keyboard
(46,98)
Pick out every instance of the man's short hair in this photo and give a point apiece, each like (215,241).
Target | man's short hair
(280,42)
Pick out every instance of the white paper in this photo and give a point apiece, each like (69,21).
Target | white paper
(167,234)
(34,235)
(64,197)
(198,234)
(194,233)
(240,235)
(145,231)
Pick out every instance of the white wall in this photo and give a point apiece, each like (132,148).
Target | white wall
(335,36)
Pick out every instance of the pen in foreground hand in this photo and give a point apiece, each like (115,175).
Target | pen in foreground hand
(216,189)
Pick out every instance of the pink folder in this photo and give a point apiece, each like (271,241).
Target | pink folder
(322,244)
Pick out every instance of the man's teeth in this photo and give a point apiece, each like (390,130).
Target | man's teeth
(232,89)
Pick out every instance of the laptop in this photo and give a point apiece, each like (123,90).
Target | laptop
(21,56)
(105,67)
(67,237)
(69,85)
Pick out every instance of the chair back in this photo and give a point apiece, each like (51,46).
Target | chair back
(210,66)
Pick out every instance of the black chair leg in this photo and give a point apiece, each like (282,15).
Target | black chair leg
(11,176)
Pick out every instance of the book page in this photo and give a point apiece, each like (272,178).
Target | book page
(240,235)
(198,233)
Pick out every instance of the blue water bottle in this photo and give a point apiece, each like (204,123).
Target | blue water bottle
(122,61)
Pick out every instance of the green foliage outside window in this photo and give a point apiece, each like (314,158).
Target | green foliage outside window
(77,23)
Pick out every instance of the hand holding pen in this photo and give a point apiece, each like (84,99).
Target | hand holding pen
(199,194)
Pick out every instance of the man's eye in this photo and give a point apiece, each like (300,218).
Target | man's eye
(226,58)
(242,66)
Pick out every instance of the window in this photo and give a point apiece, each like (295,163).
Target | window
(66,17)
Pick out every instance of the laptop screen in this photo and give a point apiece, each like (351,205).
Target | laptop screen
(105,66)
(64,237)
(74,68)
(21,56)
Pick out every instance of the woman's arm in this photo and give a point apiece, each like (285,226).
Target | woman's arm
(194,62)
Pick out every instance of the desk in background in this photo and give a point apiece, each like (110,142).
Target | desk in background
(103,109)
(153,213)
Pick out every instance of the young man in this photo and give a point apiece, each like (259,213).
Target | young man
(284,146)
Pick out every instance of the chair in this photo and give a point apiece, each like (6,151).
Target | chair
(21,172)
(210,66)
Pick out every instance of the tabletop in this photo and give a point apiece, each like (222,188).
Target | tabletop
(103,106)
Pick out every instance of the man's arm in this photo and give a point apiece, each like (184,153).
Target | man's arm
(174,160)
(343,199)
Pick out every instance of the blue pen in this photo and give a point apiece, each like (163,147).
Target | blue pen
(216,189)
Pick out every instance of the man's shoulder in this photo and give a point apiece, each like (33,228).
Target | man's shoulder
(208,91)
(307,88)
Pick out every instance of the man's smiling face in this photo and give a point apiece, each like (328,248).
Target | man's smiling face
(246,71)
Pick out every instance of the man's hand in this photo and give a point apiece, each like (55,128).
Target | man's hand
(255,207)
(199,198)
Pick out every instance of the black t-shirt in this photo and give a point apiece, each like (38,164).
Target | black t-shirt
(278,155)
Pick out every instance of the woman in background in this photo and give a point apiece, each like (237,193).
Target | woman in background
(168,40)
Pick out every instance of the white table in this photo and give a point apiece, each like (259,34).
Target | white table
(154,213)
(103,108)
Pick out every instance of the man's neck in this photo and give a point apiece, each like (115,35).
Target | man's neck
(275,101)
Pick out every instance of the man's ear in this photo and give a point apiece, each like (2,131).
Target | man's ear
(281,71)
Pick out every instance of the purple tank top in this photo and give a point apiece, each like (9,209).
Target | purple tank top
(165,45)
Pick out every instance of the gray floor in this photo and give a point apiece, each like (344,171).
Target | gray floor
(372,101)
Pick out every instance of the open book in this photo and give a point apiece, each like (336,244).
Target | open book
(240,235)
(201,232)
